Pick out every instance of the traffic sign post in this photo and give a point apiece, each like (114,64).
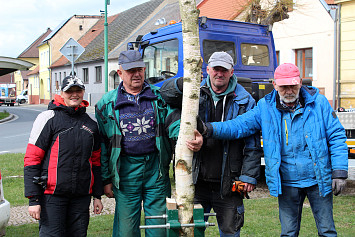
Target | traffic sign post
(72,51)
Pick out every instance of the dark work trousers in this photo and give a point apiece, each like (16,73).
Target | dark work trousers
(64,216)
(229,210)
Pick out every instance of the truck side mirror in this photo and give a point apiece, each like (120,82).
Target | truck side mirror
(130,46)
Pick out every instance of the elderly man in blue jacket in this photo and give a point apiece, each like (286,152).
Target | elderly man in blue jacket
(304,149)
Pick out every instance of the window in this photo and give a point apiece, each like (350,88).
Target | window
(56,81)
(116,80)
(211,46)
(161,58)
(98,74)
(41,59)
(278,57)
(255,54)
(65,74)
(304,61)
(85,75)
(35,82)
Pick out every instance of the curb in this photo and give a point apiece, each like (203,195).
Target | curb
(10,117)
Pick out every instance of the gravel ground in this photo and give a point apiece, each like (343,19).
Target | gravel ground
(19,215)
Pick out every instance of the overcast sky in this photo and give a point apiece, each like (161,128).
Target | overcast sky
(23,21)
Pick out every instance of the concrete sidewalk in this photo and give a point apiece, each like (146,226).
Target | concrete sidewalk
(19,215)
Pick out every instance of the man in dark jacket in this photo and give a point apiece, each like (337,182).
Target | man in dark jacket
(62,164)
(136,152)
(221,162)
(304,149)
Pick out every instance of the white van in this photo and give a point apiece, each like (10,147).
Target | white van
(23,97)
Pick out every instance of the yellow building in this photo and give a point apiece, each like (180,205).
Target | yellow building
(20,77)
(24,79)
(347,53)
(44,74)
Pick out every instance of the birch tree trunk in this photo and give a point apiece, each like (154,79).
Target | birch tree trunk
(185,189)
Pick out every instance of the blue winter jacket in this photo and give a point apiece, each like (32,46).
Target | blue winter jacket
(324,134)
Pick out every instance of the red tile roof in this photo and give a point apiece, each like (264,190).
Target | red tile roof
(87,38)
(222,9)
(7,78)
(33,72)
(32,50)
(24,74)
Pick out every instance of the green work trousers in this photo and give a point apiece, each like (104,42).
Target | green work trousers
(140,182)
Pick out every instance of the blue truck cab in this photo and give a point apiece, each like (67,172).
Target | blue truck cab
(250,45)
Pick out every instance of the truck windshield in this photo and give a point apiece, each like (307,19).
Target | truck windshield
(161,60)
(255,55)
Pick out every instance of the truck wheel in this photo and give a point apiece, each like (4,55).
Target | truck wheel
(22,101)
(13,104)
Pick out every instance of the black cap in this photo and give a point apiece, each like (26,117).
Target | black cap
(71,81)
(130,59)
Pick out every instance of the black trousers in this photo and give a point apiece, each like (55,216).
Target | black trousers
(229,210)
(64,216)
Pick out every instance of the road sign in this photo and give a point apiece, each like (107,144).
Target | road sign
(72,50)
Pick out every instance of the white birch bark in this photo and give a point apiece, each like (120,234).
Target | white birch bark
(185,189)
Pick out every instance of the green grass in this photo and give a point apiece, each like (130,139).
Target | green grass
(11,166)
(261,215)
(3,114)
(261,219)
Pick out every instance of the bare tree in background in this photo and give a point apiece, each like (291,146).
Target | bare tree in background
(267,12)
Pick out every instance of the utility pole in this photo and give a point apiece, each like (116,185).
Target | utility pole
(107,2)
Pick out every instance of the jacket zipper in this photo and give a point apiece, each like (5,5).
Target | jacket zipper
(286,132)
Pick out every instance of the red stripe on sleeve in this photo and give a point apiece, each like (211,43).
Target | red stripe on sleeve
(92,177)
(95,157)
(52,168)
(34,155)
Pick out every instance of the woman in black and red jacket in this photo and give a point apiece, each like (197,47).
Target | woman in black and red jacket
(62,164)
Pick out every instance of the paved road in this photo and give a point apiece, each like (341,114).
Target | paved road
(15,133)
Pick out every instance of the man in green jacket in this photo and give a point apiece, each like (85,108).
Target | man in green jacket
(136,124)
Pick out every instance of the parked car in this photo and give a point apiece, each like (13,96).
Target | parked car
(23,97)
(4,210)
